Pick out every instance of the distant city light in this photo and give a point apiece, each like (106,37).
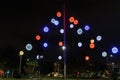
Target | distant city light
(104,54)
(60,57)
(28,47)
(71,26)
(98,38)
(79,31)
(45,29)
(79,44)
(61,30)
(45,45)
(87,28)
(114,50)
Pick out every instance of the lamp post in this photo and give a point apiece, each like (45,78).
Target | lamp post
(21,53)
(64,56)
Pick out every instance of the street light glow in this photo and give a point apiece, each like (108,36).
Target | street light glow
(21,53)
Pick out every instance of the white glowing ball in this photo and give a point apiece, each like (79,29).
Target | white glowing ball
(71,26)
(104,54)
(87,28)
(52,20)
(114,50)
(79,31)
(79,44)
(59,57)
(92,41)
(45,29)
(56,23)
(61,30)
(45,44)
(28,47)
(99,38)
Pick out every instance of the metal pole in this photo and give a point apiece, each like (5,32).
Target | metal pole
(64,55)
(20,64)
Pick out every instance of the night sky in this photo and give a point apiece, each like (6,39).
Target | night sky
(21,21)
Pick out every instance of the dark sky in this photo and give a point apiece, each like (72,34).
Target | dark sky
(21,21)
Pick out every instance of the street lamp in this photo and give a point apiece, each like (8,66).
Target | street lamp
(21,53)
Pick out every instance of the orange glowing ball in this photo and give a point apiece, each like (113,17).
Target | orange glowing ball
(71,19)
(60,43)
(37,37)
(75,22)
(92,45)
(59,14)
(87,58)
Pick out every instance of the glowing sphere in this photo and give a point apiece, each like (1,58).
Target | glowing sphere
(87,28)
(52,20)
(75,22)
(37,37)
(63,47)
(45,29)
(92,45)
(79,44)
(56,23)
(45,45)
(41,56)
(92,41)
(61,30)
(60,43)
(59,14)
(114,50)
(59,57)
(79,31)
(37,57)
(98,38)
(104,54)
(71,19)
(21,53)
(28,47)
(87,58)
(111,55)
(71,26)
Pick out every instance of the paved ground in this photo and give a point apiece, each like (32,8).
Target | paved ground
(47,79)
